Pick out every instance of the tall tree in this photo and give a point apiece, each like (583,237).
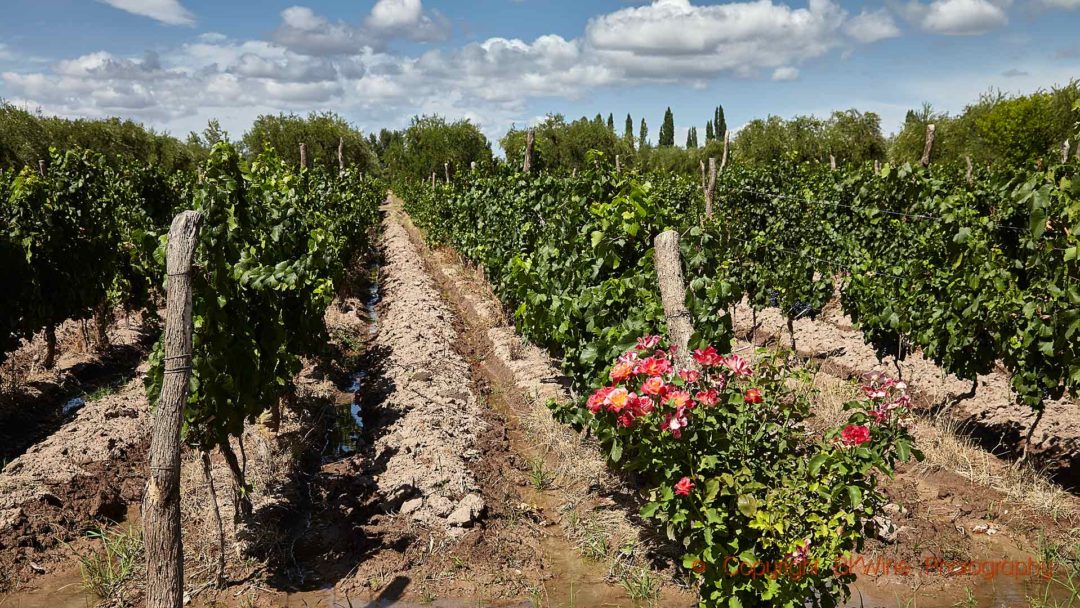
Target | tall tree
(599,119)
(643,134)
(719,123)
(611,122)
(691,139)
(628,134)
(667,130)
(709,133)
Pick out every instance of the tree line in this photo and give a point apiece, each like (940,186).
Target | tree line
(1019,130)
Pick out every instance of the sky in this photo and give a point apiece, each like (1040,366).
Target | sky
(176,64)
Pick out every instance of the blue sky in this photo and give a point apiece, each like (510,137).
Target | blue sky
(174,64)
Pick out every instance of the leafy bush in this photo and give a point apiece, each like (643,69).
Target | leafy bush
(765,514)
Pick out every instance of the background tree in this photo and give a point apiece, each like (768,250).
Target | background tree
(563,146)
(709,133)
(643,135)
(430,142)
(611,122)
(320,131)
(667,130)
(719,123)
(691,139)
(855,137)
(628,133)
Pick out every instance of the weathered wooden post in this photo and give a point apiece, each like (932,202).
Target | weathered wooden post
(50,329)
(877,166)
(1065,147)
(161,505)
(673,294)
(970,176)
(341,154)
(832,162)
(704,183)
(472,166)
(446,170)
(303,156)
(723,159)
(530,143)
(710,188)
(929,147)
(432,179)
(618,164)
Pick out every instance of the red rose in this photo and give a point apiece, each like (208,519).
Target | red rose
(855,434)
(683,487)
(752,396)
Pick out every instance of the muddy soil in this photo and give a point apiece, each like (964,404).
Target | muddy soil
(87,472)
(992,416)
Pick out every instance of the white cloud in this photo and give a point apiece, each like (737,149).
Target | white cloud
(312,63)
(169,12)
(674,38)
(872,26)
(958,17)
(785,73)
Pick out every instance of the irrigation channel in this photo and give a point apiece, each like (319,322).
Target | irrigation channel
(442,479)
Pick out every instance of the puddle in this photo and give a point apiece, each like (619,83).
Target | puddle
(347,430)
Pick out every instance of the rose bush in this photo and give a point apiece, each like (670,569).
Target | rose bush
(737,477)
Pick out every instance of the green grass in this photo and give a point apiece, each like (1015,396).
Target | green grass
(107,571)
(539,476)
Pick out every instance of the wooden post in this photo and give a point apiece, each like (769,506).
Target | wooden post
(929,147)
(673,294)
(161,504)
(703,182)
(832,162)
(530,143)
(341,154)
(618,164)
(446,170)
(303,156)
(1065,147)
(710,188)
(41,167)
(432,179)
(877,166)
(723,159)
(472,166)
(970,170)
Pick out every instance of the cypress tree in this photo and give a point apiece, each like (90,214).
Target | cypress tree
(611,122)
(599,119)
(719,124)
(691,138)
(709,133)
(667,130)
(628,135)
(643,135)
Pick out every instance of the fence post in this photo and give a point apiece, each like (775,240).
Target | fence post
(832,162)
(723,159)
(41,167)
(877,166)
(446,170)
(929,147)
(341,154)
(618,164)
(1065,147)
(710,188)
(673,294)
(432,179)
(970,170)
(530,143)
(472,166)
(161,505)
(303,156)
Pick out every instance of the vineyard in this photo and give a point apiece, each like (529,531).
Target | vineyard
(354,380)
